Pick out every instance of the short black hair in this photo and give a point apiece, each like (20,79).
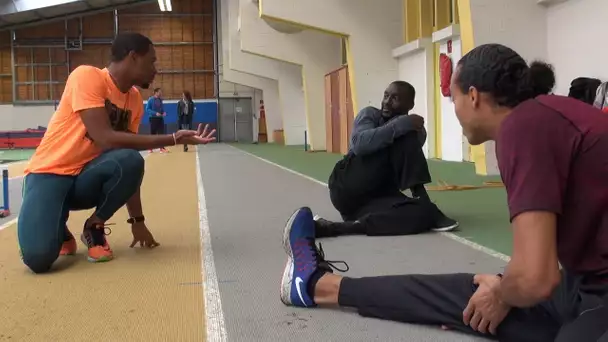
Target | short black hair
(124,43)
(504,74)
(406,88)
(156,90)
(584,89)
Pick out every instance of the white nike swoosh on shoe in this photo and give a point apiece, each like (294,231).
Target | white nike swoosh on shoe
(299,282)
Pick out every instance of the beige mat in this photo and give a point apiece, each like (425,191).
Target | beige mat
(142,295)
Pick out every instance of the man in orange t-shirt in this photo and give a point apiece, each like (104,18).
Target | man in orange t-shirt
(89,158)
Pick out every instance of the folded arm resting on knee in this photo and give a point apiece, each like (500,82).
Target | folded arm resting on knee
(368,137)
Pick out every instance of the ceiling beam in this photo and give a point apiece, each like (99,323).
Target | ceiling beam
(72,15)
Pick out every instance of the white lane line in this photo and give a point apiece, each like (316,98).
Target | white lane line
(8,224)
(452,236)
(214,316)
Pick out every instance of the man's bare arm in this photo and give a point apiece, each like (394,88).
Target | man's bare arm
(97,123)
(533,272)
(134,205)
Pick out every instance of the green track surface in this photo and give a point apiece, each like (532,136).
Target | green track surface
(9,156)
(482,213)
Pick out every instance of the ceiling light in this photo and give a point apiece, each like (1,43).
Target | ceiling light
(165,5)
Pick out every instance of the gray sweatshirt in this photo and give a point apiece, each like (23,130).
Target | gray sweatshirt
(373,132)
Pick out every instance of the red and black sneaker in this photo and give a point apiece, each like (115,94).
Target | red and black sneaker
(94,237)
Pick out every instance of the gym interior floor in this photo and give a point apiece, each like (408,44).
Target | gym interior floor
(218,214)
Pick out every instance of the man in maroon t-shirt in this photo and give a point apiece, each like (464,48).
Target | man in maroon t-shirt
(552,153)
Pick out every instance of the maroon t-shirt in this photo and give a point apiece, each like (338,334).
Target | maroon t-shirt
(553,156)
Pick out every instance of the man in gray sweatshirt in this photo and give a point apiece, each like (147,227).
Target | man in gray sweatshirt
(385,159)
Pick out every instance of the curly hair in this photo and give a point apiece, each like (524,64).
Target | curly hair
(501,72)
(124,43)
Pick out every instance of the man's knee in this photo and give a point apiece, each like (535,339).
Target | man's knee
(40,261)
(413,138)
(129,160)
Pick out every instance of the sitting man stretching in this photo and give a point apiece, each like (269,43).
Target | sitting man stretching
(551,152)
(385,158)
(89,158)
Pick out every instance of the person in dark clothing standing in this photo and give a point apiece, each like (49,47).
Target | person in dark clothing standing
(385,158)
(584,89)
(185,113)
(551,153)
(156,111)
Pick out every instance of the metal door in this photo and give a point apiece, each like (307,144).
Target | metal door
(227,120)
(244,120)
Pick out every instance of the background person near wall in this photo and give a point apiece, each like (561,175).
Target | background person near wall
(156,111)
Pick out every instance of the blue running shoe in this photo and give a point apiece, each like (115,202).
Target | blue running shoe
(304,259)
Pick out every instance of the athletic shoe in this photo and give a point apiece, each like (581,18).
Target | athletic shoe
(69,245)
(164,150)
(305,261)
(326,228)
(445,224)
(95,240)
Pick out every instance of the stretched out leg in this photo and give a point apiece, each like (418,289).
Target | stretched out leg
(41,228)
(106,183)
(430,300)
(388,216)
(591,325)
(421,299)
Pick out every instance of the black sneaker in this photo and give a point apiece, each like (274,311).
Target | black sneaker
(324,228)
(305,261)
(445,224)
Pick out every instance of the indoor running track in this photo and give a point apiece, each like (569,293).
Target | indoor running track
(247,202)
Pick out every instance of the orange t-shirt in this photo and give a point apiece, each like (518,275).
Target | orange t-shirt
(66,147)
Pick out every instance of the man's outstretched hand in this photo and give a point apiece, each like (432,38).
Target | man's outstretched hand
(201,136)
(142,235)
